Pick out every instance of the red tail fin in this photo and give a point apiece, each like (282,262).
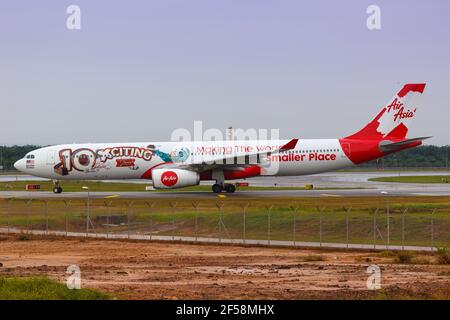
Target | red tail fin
(393,121)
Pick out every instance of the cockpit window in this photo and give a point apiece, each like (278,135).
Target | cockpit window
(30,156)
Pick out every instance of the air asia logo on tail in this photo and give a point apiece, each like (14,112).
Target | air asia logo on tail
(399,111)
(394,119)
(169,178)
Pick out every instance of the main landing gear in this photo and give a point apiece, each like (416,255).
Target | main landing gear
(228,187)
(57,187)
(220,185)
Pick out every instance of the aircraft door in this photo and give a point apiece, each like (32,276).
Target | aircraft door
(51,157)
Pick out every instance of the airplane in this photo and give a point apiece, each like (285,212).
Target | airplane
(186,163)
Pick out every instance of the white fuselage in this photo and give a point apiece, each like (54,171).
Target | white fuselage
(134,160)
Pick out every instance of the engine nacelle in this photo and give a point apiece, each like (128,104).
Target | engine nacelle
(174,178)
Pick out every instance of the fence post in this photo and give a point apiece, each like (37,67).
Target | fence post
(173,205)
(244,211)
(28,214)
(196,205)
(320,225)
(150,205)
(108,214)
(388,217)
(8,203)
(128,205)
(269,212)
(347,211)
(219,206)
(432,229)
(294,209)
(66,218)
(46,217)
(128,219)
(403,228)
(375,228)
(87,216)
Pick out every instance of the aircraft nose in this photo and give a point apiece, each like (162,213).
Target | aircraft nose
(20,165)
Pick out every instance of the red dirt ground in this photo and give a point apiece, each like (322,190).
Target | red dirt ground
(152,270)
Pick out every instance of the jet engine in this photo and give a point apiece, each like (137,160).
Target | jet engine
(174,178)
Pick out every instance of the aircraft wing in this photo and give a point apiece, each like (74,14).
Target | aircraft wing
(227,162)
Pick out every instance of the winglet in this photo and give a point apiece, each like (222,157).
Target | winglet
(290,145)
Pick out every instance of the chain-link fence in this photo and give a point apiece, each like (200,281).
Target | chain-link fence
(413,228)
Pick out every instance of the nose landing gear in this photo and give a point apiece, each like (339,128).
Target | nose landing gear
(57,187)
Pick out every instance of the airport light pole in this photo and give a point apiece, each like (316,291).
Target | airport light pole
(1,158)
(88,217)
(446,157)
(385,193)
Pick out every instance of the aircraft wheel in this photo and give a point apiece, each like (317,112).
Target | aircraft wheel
(57,190)
(230,188)
(217,188)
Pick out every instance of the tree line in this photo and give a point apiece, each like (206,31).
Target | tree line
(428,156)
(9,155)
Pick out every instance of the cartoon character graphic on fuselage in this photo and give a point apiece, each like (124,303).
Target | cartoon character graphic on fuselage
(181,164)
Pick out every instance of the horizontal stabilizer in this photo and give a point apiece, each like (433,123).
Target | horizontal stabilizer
(387,146)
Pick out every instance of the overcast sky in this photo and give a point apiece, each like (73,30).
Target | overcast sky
(137,70)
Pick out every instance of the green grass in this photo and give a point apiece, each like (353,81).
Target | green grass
(404,257)
(414,179)
(41,288)
(99,186)
(23,237)
(443,255)
(182,220)
(161,219)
